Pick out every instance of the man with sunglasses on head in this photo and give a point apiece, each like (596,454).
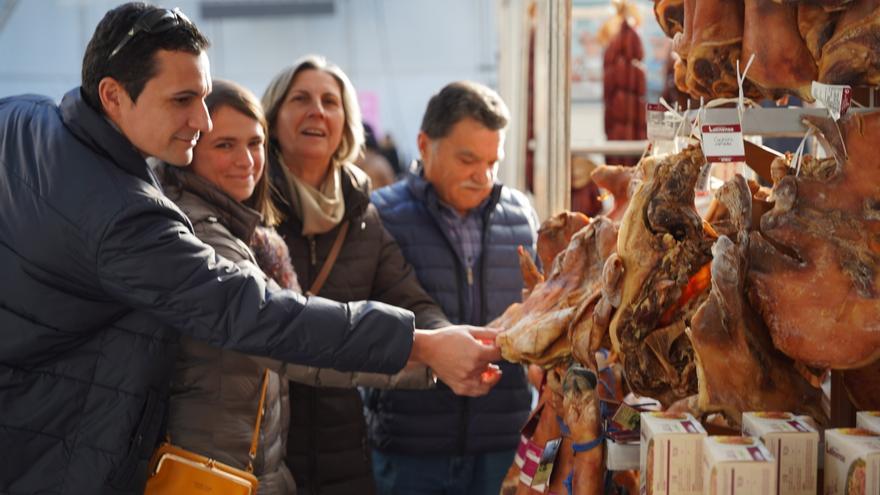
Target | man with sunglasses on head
(101,271)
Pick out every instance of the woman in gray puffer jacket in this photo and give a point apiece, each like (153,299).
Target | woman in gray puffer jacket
(215,393)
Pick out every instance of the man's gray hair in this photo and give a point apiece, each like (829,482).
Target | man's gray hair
(461,100)
(353,129)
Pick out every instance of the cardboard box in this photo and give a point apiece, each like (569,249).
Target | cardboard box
(670,454)
(793,443)
(852,462)
(737,466)
(869,420)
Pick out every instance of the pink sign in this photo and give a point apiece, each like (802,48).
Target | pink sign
(369,102)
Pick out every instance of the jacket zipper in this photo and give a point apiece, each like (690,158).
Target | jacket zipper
(462,430)
(465,402)
(460,265)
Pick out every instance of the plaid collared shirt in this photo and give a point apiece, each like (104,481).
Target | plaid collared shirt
(466,232)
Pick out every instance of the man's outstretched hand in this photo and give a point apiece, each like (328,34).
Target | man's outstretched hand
(461,356)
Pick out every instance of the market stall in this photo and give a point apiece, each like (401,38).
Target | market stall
(732,289)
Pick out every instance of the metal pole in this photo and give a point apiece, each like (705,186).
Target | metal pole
(514,25)
(552,107)
(560,107)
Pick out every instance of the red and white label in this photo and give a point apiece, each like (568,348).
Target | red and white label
(520,458)
(531,460)
(661,123)
(835,97)
(723,143)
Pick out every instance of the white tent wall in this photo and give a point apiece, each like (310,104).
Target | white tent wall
(397,52)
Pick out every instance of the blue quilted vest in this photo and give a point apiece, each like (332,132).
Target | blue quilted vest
(437,421)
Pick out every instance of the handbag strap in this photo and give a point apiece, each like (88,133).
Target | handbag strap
(331,259)
(255,439)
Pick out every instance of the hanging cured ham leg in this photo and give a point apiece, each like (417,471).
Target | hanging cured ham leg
(782,61)
(681,42)
(852,56)
(584,422)
(531,275)
(816,26)
(670,16)
(815,266)
(681,45)
(556,233)
(619,181)
(547,428)
(714,48)
(553,237)
(728,335)
(538,328)
(589,331)
(863,387)
(664,250)
(829,5)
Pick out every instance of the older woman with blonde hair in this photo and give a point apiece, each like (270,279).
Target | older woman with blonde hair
(315,133)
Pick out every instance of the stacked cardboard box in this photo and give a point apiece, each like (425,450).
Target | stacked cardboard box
(852,462)
(869,420)
(794,445)
(670,454)
(737,466)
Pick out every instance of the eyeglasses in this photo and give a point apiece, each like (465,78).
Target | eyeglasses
(153,22)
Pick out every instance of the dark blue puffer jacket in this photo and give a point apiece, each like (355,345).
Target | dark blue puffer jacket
(438,421)
(97,267)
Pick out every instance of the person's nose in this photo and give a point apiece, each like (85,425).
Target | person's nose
(244,158)
(484,175)
(200,120)
(317,109)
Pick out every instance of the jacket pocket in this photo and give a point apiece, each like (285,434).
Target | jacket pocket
(140,446)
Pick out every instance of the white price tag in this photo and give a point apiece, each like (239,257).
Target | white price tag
(723,143)
(661,123)
(836,98)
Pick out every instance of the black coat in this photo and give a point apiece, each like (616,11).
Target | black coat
(327,446)
(97,267)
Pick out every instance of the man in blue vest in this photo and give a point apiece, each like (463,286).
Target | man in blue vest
(460,229)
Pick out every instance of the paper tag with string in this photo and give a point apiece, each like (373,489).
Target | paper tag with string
(703,179)
(627,417)
(798,156)
(532,459)
(740,82)
(722,139)
(661,123)
(541,479)
(835,97)
(698,118)
(723,143)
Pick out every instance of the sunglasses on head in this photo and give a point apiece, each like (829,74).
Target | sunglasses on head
(153,22)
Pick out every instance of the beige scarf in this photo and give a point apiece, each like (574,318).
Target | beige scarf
(319,209)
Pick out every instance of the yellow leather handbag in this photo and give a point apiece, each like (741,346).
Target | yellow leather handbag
(177,471)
